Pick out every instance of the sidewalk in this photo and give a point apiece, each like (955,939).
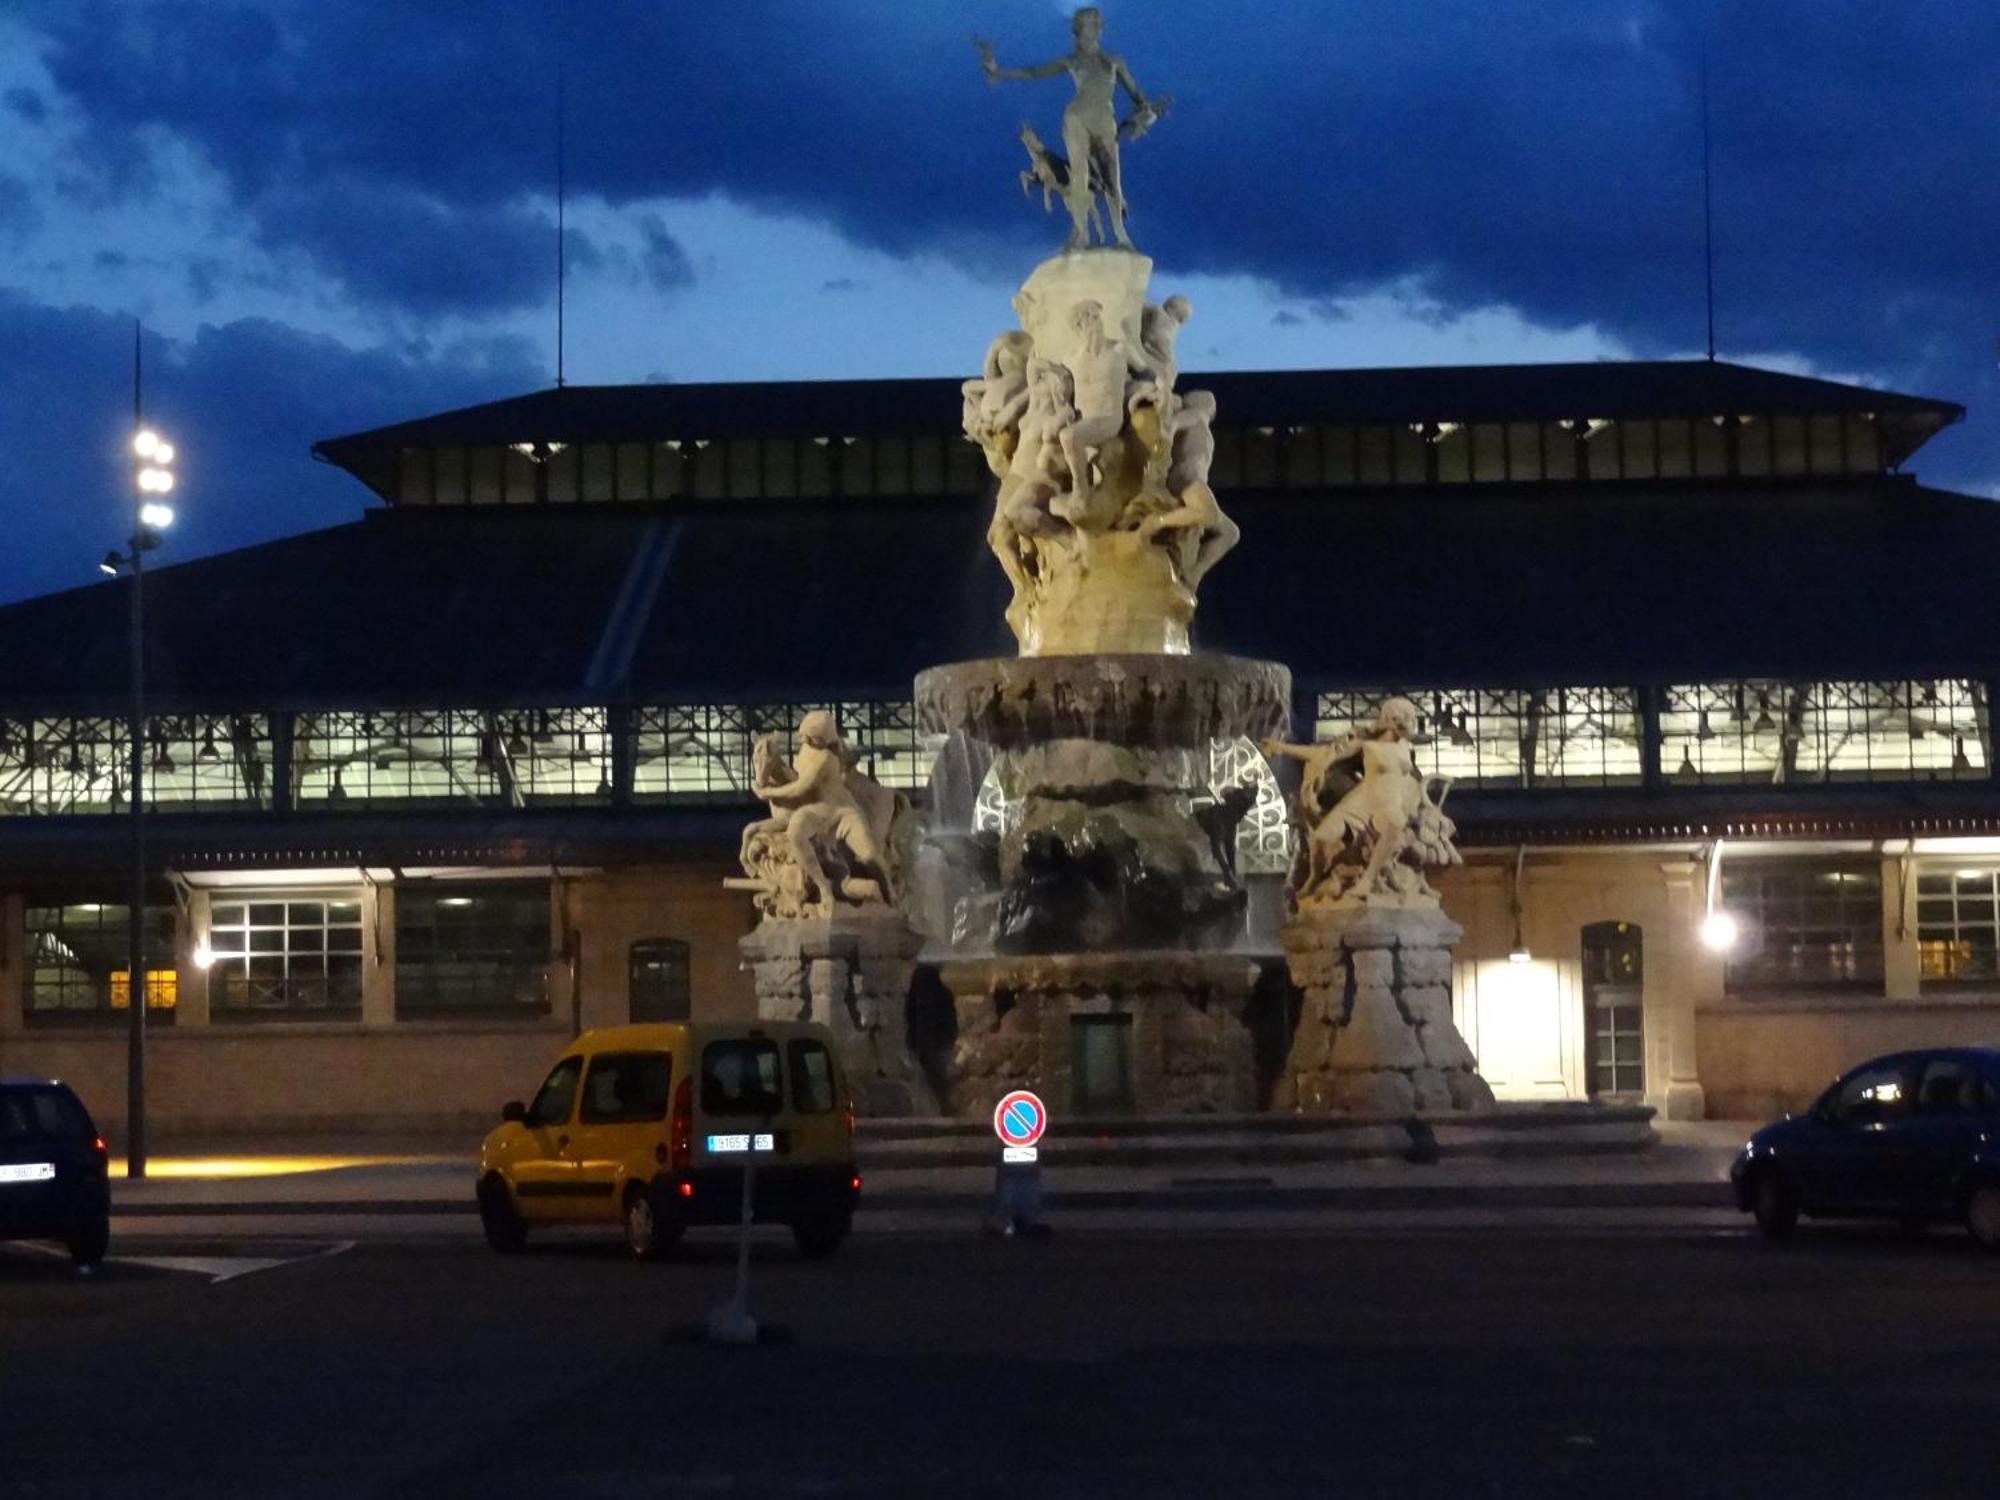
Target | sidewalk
(1687,1169)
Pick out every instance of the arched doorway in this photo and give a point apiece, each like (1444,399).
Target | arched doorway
(1614,1011)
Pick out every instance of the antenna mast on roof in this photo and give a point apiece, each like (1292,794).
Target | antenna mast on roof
(562,186)
(1707,204)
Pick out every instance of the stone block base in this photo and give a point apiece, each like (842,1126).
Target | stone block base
(851,973)
(1375,1035)
(1187,1049)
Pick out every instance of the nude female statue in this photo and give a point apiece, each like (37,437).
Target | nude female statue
(1090,127)
(1385,815)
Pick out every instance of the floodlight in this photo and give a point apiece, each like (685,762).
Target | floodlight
(112,562)
(146,442)
(155,516)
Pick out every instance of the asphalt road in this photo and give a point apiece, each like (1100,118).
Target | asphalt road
(1450,1362)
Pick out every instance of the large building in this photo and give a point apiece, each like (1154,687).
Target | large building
(434,789)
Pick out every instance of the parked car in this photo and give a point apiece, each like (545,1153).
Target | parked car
(1913,1137)
(54,1169)
(651,1126)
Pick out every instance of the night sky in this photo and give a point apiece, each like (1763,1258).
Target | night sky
(335,215)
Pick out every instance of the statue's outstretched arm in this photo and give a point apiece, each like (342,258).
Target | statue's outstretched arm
(995,73)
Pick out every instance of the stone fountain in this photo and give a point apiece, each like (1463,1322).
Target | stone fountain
(1079,891)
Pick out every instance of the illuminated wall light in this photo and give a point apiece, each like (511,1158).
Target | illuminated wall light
(1719,931)
(203,956)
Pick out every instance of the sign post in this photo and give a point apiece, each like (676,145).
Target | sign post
(732,1323)
(1019,1120)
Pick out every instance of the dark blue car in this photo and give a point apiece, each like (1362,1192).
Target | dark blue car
(1913,1137)
(54,1178)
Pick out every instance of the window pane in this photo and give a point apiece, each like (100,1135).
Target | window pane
(740,1078)
(812,1078)
(472,948)
(660,985)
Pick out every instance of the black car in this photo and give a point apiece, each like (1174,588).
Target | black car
(54,1169)
(1913,1137)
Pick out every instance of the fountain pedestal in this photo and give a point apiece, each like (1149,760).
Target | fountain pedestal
(1176,1020)
(851,973)
(1375,1035)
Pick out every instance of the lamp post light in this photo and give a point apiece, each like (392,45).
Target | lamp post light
(152,481)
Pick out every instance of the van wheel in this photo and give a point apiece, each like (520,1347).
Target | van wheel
(1775,1205)
(819,1236)
(87,1245)
(506,1230)
(1982,1216)
(648,1234)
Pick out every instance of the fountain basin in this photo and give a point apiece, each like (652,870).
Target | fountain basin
(1129,699)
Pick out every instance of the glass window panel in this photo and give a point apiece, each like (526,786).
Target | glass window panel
(77,961)
(414,484)
(521,476)
(966,471)
(277,958)
(661,980)
(1412,456)
(1711,449)
(1788,445)
(1864,445)
(1600,447)
(1805,924)
(1489,452)
(1337,454)
(1639,440)
(1453,454)
(746,469)
(634,482)
(670,471)
(450,475)
(485,480)
(1824,452)
(1226,469)
(854,461)
(892,466)
(1376,458)
(1558,451)
(707,460)
(927,475)
(1300,447)
(1753,446)
(1524,450)
(462,948)
(1676,449)
(1260,458)
(560,471)
(815,469)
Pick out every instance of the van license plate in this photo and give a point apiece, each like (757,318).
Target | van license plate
(29,1171)
(720,1144)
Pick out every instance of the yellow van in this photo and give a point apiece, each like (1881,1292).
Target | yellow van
(650,1126)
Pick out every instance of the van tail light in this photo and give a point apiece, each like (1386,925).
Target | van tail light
(680,1127)
(102,1151)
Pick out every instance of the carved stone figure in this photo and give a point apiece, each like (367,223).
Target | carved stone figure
(1201,532)
(834,835)
(1090,128)
(996,400)
(1369,823)
(1050,172)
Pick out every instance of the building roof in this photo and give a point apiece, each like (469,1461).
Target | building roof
(798,600)
(881,408)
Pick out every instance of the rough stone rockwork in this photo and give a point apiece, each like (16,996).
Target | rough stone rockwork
(851,973)
(1190,1050)
(1375,1035)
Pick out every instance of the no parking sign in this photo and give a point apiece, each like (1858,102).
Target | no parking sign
(1019,1120)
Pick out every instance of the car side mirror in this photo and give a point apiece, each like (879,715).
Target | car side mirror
(515,1111)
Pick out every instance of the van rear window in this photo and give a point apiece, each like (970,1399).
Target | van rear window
(741,1078)
(41,1113)
(812,1078)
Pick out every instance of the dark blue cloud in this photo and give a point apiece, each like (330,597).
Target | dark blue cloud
(243,402)
(1539,153)
(666,263)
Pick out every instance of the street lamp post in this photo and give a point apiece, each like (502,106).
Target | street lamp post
(153,480)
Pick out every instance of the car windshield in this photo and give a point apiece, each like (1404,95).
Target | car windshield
(41,1113)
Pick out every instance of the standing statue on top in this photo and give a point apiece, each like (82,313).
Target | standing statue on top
(1090,127)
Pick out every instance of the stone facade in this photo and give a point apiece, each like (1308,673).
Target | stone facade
(851,973)
(1375,1035)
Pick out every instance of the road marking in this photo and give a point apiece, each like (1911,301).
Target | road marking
(221,1268)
